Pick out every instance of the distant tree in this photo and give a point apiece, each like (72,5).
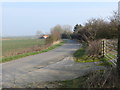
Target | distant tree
(57,28)
(67,31)
(55,34)
(77,27)
(58,32)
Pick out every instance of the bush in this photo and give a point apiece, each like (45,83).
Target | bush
(94,48)
(49,40)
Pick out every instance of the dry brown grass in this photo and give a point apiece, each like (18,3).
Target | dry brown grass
(103,79)
(27,50)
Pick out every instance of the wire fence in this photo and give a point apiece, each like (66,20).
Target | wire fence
(109,50)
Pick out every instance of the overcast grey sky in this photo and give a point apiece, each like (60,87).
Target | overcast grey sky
(25,18)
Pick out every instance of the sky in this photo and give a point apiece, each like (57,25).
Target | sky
(26,18)
(58,0)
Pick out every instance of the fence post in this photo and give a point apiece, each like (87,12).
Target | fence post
(103,48)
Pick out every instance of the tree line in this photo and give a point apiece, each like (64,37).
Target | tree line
(97,28)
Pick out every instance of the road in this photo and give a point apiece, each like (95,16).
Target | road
(56,64)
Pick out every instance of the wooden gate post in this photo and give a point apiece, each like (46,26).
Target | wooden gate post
(103,48)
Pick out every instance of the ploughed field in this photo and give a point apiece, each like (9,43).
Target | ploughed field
(19,46)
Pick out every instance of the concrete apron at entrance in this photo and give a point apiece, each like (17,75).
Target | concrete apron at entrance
(65,69)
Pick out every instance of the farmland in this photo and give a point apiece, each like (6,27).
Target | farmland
(16,46)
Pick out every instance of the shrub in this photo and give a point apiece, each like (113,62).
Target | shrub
(94,48)
(49,40)
(54,36)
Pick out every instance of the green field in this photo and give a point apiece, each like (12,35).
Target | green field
(9,47)
(5,59)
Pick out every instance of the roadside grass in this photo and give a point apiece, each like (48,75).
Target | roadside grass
(111,55)
(5,59)
(81,56)
(74,83)
(104,62)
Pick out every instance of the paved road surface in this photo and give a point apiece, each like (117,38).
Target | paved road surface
(54,65)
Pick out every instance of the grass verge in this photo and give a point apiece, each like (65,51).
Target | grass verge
(74,83)
(31,53)
(104,62)
(81,56)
